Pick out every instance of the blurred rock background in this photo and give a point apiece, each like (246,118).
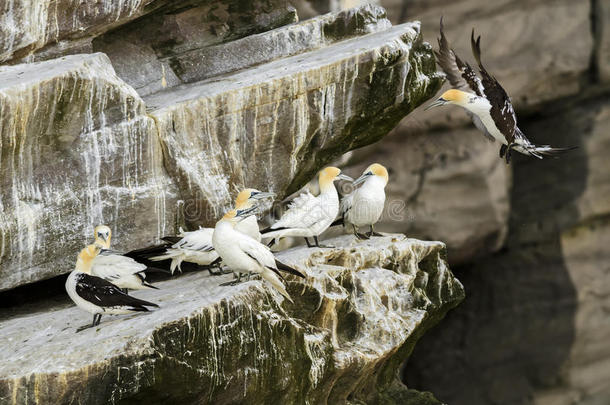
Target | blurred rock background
(530,241)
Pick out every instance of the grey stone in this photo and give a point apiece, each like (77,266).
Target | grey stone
(355,319)
(77,150)
(331,100)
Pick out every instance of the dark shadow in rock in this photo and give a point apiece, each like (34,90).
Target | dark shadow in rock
(513,333)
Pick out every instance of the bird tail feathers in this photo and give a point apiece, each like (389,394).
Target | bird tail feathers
(276,283)
(546,151)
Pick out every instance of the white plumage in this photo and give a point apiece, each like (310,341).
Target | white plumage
(122,271)
(196,246)
(243,254)
(364,206)
(308,215)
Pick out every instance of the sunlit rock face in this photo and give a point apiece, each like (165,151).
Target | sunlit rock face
(168,139)
(355,319)
(77,149)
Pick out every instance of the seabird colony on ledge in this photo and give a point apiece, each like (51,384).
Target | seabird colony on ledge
(102,277)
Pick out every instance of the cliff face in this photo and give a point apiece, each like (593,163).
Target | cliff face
(529,241)
(354,321)
(185,106)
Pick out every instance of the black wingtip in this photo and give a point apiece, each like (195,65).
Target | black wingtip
(288,269)
(150,286)
(339,221)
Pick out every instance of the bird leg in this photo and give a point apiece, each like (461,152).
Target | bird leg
(236,281)
(508,152)
(96,321)
(215,265)
(359,236)
(315,238)
(309,244)
(373,233)
(502,151)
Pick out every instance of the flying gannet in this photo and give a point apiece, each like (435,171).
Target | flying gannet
(245,255)
(120,270)
(309,216)
(485,101)
(96,295)
(196,246)
(364,206)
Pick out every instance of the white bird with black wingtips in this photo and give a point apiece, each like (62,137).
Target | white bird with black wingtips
(196,246)
(486,102)
(120,270)
(307,215)
(364,206)
(242,254)
(96,295)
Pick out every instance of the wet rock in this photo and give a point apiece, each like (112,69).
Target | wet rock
(355,319)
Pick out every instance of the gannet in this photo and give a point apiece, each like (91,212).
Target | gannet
(196,246)
(307,215)
(243,254)
(485,101)
(120,270)
(96,295)
(364,205)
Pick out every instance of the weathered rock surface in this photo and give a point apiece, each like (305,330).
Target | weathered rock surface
(43,29)
(354,321)
(331,100)
(76,149)
(79,146)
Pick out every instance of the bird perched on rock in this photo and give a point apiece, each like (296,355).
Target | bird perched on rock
(96,295)
(309,216)
(120,270)
(486,102)
(196,246)
(245,255)
(364,206)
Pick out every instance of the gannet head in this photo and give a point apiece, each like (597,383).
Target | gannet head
(452,96)
(329,174)
(374,170)
(102,235)
(249,197)
(86,256)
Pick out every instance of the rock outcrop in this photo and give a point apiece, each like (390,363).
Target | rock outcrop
(169,138)
(355,319)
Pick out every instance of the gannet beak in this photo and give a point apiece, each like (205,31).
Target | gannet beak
(437,103)
(245,212)
(262,194)
(344,177)
(362,178)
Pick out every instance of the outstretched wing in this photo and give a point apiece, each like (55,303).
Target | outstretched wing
(460,75)
(502,110)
